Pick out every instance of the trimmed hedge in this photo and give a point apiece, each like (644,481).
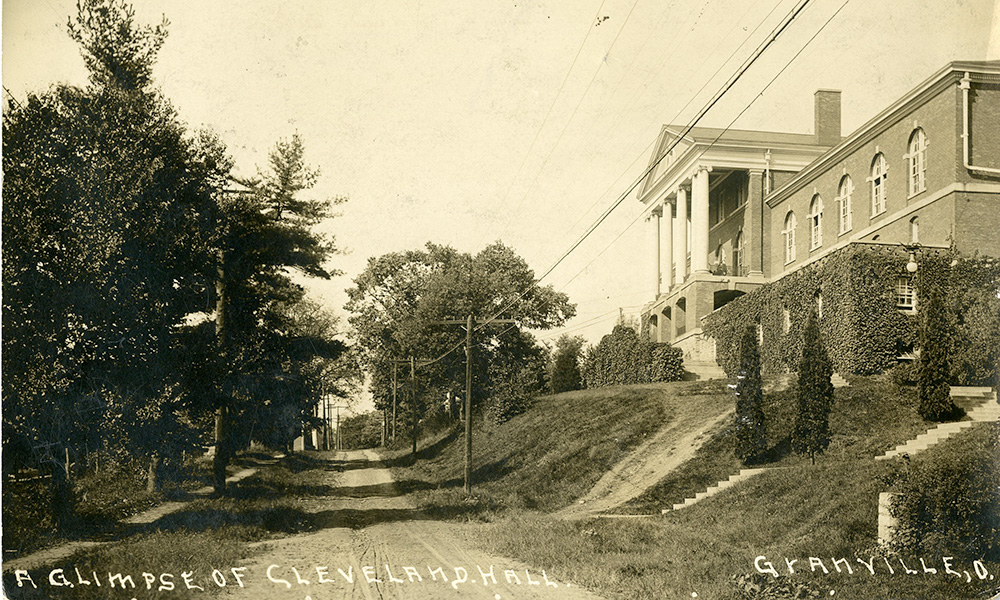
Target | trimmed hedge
(863,330)
(623,357)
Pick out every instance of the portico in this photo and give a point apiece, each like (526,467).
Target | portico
(704,213)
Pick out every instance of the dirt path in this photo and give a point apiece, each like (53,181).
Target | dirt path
(671,447)
(375,544)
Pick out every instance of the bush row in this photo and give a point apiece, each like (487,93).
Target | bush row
(623,357)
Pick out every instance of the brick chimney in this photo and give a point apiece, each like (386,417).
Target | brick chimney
(827,117)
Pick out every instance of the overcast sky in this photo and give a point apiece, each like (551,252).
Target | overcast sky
(466,122)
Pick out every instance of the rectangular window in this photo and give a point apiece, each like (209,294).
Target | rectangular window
(906,296)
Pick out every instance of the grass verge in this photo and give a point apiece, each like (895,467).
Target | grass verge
(206,534)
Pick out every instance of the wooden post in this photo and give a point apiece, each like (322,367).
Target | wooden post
(468,405)
(393,401)
(413,406)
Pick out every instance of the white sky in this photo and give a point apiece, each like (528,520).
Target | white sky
(434,116)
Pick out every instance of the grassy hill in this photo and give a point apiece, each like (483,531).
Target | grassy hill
(550,456)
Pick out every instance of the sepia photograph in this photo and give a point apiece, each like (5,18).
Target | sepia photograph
(500,300)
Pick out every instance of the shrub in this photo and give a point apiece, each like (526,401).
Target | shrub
(951,505)
(815,395)
(933,390)
(750,436)
(566,364)
(623,358)
(904,374)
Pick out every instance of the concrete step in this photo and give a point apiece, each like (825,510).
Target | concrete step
(927,439)
(743,475)
(704,369)
(969,398)
(838,381)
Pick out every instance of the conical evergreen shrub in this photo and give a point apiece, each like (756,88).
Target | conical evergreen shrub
(815,395)
(750,432)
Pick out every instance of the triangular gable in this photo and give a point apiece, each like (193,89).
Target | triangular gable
(667,137)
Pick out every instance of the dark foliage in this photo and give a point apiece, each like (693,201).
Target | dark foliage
(815,395)
(623,357)
(750,439)
(934,368)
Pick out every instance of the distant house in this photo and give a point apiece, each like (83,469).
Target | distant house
(736,212)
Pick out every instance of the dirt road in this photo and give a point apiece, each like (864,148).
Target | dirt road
(375,544)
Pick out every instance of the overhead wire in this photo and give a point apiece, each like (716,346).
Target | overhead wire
(569,120)
(789,18)
(691,99)
(721,133)
(744,67)
(590,28)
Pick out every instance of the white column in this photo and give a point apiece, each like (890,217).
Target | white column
(699,220)
(680,235)
(653,240)
(667,245)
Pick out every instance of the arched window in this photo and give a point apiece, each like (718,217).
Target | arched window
(738,257)
(816,222)
(879,172)
(789,237)
(844,203)
(914,230)
(916,160)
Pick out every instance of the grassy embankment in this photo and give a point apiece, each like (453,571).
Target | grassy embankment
(205,534)
(827,510)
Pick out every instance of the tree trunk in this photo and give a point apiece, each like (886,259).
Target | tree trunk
(62,498)
(221,458)
(152,483)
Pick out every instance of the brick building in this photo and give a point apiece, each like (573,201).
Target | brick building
(731,211)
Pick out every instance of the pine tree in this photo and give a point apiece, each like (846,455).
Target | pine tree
(932,379)
(815,394)
(750,428)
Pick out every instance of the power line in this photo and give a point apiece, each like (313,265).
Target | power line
(789,18)
(688,103)
(590,28)
(569,120)
(721,133)
(744,67)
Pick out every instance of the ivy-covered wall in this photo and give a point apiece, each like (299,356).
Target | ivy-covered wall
(854,289)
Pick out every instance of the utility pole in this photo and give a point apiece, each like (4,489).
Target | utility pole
(413,407)
(394,401)
(470,323)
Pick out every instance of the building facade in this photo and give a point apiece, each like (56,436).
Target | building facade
(731,211)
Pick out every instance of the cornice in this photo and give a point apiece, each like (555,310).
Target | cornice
(917,97)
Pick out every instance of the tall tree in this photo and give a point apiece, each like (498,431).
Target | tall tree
(105,204)
(933,390)
(750,431)
(264,231)
(815,394)
(566,364)
(399,300)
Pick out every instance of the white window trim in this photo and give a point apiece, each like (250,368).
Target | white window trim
(845,224)
(816,223)
(788,235)
(905,307)
(878,209)
(916,164)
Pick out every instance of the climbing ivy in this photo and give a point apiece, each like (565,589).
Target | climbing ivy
(864,332)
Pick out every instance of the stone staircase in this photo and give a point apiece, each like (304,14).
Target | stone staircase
(743,475)
(704,369)
(980,405)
